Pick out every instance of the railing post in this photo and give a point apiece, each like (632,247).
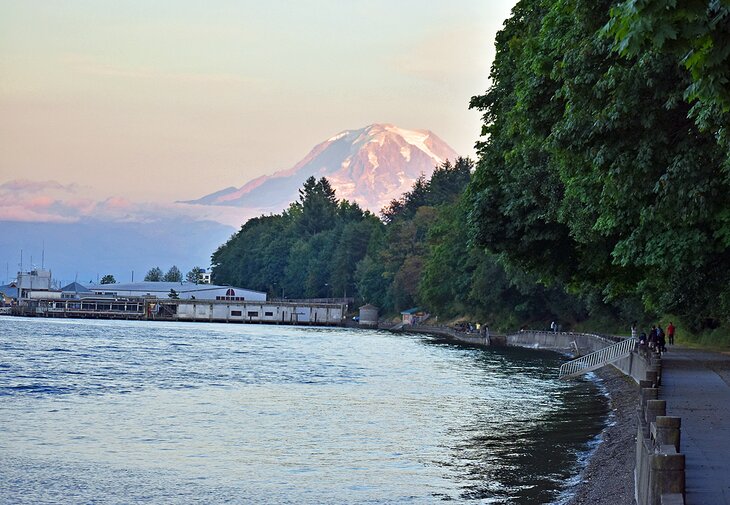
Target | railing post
(666,476)
(653,376)
(668,431)
(647,394)
(653,409)
(657,370)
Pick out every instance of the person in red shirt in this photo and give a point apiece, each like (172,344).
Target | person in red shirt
(670,333)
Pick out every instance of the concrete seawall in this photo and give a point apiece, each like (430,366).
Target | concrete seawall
(580,344)
(449,333)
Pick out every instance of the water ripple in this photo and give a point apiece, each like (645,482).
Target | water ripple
(125,412)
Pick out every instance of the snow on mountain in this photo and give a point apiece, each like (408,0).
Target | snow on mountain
(371,166)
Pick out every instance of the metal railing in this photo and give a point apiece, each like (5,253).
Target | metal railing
(597,359)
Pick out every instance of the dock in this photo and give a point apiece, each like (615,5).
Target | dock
(294,312)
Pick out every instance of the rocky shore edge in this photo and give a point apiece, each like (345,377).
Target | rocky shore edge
(608,479)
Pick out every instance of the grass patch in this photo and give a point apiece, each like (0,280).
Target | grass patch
(715,340)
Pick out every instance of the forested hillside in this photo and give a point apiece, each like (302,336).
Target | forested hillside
(418,252)
(602,187)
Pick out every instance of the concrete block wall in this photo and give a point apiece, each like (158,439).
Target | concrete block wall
(659,475)
(564,341)
(634,365)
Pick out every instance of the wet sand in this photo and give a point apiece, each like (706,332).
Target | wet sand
(609,477)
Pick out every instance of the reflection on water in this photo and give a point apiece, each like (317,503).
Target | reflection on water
(126,412)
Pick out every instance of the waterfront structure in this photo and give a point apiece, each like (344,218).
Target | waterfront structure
(178,301)
(294,312)
(368,315)
(8,297)
(34,284)
(9,292)
(414,315)
(219,311)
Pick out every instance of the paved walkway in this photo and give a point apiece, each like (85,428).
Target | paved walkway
(696,386)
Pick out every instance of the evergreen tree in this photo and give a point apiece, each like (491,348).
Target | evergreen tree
(154,275)
(173,275)
(193,276)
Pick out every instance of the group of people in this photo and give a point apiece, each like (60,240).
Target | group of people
(480,328)
(657,338)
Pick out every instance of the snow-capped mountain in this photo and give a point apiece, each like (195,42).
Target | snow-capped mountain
(371,166)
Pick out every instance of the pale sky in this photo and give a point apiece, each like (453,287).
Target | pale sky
(166,100)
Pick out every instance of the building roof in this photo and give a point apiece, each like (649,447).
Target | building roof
(75,287)
(9,290)
(149,287)
(369,306)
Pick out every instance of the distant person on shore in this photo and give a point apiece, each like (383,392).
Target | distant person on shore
(661,341)
(670,333)
(633,329)
(553,326)
(652,337)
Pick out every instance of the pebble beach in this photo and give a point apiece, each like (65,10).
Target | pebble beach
(608,479)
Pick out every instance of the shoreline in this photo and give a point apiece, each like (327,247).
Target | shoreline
(608,478)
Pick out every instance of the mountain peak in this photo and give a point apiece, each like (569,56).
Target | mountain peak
(371,166)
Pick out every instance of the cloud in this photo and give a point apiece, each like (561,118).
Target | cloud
(50,201)
(28,186)
(28,215)
(40,202)
(117,203)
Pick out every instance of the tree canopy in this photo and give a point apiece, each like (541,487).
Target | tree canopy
(193,276)
(593,171)
(173,275)
(154,275)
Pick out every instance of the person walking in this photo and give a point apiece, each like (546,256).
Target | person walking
(670,333)
(661,341)
(652,337)
(633,329)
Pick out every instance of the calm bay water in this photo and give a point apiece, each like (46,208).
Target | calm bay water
(136,412)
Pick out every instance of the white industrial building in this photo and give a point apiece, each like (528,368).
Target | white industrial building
(258,312)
